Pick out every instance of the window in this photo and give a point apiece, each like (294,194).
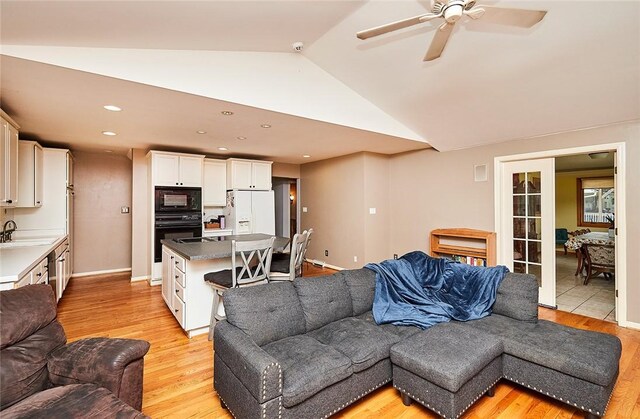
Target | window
(596,201)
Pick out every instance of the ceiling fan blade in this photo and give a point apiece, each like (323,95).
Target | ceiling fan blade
(512,17)
(394,26)
(439,41)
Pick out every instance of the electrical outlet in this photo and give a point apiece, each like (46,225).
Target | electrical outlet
(395,256)
(326,253)
(355,258)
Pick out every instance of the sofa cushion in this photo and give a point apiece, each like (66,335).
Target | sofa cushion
(402,332)
(308,366)
(362,287)
(72,401)
(590,356)
(362,342)
(23,365)
(517,297)
(324,299)
(266,312)
(447,354)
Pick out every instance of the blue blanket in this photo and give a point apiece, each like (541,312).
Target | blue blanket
(419,290)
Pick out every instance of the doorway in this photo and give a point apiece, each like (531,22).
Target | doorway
(286,206)
(504,197)
(585,200)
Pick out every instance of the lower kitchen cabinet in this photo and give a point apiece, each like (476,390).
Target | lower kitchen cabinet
(39,274)
(185,292)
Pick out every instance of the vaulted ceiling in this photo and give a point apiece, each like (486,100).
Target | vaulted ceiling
(174,66)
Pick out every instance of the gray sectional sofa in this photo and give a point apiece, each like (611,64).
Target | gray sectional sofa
(309,348)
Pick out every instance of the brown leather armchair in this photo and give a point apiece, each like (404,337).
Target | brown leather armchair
(40,376)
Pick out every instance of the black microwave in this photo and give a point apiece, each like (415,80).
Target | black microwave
(172,199)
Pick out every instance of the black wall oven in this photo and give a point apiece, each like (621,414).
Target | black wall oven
(175,226)
(178,215)
(172,199)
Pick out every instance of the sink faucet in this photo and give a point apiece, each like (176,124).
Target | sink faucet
(6,233)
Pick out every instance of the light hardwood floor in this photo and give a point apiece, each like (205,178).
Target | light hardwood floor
(178,371)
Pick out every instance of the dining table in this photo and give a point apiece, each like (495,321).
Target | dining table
(575,243)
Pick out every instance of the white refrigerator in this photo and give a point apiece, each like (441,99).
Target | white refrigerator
(250,212)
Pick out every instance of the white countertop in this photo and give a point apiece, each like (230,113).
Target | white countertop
(15,262)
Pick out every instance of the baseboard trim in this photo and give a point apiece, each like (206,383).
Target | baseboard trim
(139,278)
(631,325)
(323,264)
(106,271)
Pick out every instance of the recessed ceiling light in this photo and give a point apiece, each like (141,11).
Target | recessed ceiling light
(265,126)
(222,148)
(113,108)
(108,151)
(226,113)
(306,156)
(241,138)
(109,133)
(201,132)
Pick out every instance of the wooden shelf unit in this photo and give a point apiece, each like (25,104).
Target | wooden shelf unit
(485,239)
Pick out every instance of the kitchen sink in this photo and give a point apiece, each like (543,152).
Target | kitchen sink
(26,242)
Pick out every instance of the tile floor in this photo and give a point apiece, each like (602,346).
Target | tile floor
(596,299)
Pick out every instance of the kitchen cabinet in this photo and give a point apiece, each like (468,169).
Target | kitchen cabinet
(63,267)
(174,169)
(30,175)
(214,188)
(37,275)
(9,156)
(173,284)
(253,175)
(185,292)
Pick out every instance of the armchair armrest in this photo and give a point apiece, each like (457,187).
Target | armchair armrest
(116,364)
(258,371)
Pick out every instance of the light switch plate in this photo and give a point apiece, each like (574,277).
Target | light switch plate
(124,210)
(304,209)
(372,210)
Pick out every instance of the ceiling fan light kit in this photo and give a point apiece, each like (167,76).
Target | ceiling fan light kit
(451,11)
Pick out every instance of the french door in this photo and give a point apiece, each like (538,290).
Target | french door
(526,238)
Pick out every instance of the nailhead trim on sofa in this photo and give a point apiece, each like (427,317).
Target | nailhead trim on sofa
(336,410)
(416,398)
(539,390)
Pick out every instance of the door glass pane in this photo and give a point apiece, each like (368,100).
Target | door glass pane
(537,271)
(519,250)
(533,182)
(535,228)
(534,251)
(519,267)
(519,228)
(519,182)
(535,205)
(519,206)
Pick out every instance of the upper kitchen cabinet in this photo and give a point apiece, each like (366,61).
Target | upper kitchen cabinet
(214,188)
(9,157)
(175,169)
(30,177)
(252,175)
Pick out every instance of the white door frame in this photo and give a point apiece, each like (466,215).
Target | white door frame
(620,205)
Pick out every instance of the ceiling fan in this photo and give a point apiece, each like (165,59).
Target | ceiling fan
(451,11)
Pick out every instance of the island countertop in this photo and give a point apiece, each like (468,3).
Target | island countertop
(220,248)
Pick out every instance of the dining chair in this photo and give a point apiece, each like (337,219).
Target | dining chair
(599,258)
(250,265)
(286,269)
(562,235)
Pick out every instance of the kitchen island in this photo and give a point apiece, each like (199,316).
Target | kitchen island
(184,263)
